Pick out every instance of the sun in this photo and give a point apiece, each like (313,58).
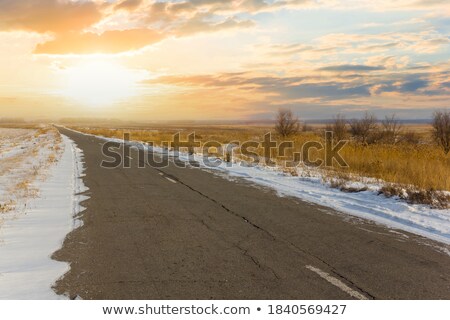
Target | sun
(99,83)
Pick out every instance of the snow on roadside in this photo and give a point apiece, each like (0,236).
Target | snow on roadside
(391,212)
(394,213)
(29,238)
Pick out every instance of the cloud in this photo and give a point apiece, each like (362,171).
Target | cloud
(323,91)
(388,5)
(412,86)
(408,84)
(351,68)
(108,42)
(308,86)
(167,19)
(333,47)
(47,15)
(311,95)
(199,24)
(288,88)
(241,6)
(419,4)
(81,20)
(128,5)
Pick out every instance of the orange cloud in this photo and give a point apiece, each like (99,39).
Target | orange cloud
(198,24)
(48,15)
(128,5)
(115,41)
(72,21)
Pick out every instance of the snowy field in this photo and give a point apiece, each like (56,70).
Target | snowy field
(23,156)
(309,186)
(39,180)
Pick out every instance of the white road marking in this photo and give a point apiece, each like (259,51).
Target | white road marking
(171,180)
(161,174)
(338,283)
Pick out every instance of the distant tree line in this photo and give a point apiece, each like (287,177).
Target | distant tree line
(369,130)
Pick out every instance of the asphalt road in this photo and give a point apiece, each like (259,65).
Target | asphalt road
(185,233)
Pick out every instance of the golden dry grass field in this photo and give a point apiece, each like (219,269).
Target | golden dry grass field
(420,163)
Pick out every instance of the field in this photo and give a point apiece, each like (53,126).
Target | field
(25,153)
(38,182)
(414,168)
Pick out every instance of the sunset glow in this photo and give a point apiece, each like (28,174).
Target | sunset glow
(99,84)
(212,59)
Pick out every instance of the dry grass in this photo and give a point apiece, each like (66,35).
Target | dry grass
(7,206)
(24,189)
(422,166)
(19,176)
(435,199)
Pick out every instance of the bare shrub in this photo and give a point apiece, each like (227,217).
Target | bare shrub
(291,171)
(337,184)
(390,190)
(435,199)
(286,124)
(342,181)
(352,189)
(342,185)
(362,129)
(410,137)
(391,129)
(441,127)
(339,127)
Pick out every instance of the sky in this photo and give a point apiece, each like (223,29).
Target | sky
(152,60)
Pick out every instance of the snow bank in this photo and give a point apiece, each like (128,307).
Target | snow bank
(391,212)
(28,239)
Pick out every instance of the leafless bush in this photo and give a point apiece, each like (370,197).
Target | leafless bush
(435,199)
(341,184)
(410,137)
(286,124)
(391,129)
(390,190)
(441,127)
(363,128)
(339,127)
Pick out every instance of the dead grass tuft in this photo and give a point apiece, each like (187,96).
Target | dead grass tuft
(435,199)
(7,206)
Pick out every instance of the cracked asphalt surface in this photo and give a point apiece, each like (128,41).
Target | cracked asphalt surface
(185,233)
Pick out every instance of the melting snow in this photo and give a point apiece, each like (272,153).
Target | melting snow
(28,237)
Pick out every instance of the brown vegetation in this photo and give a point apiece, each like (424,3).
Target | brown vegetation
(441,126)
(406,156)
(286,124)
(339,127)
(16,170)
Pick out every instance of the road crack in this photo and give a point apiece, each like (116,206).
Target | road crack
(273,237)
